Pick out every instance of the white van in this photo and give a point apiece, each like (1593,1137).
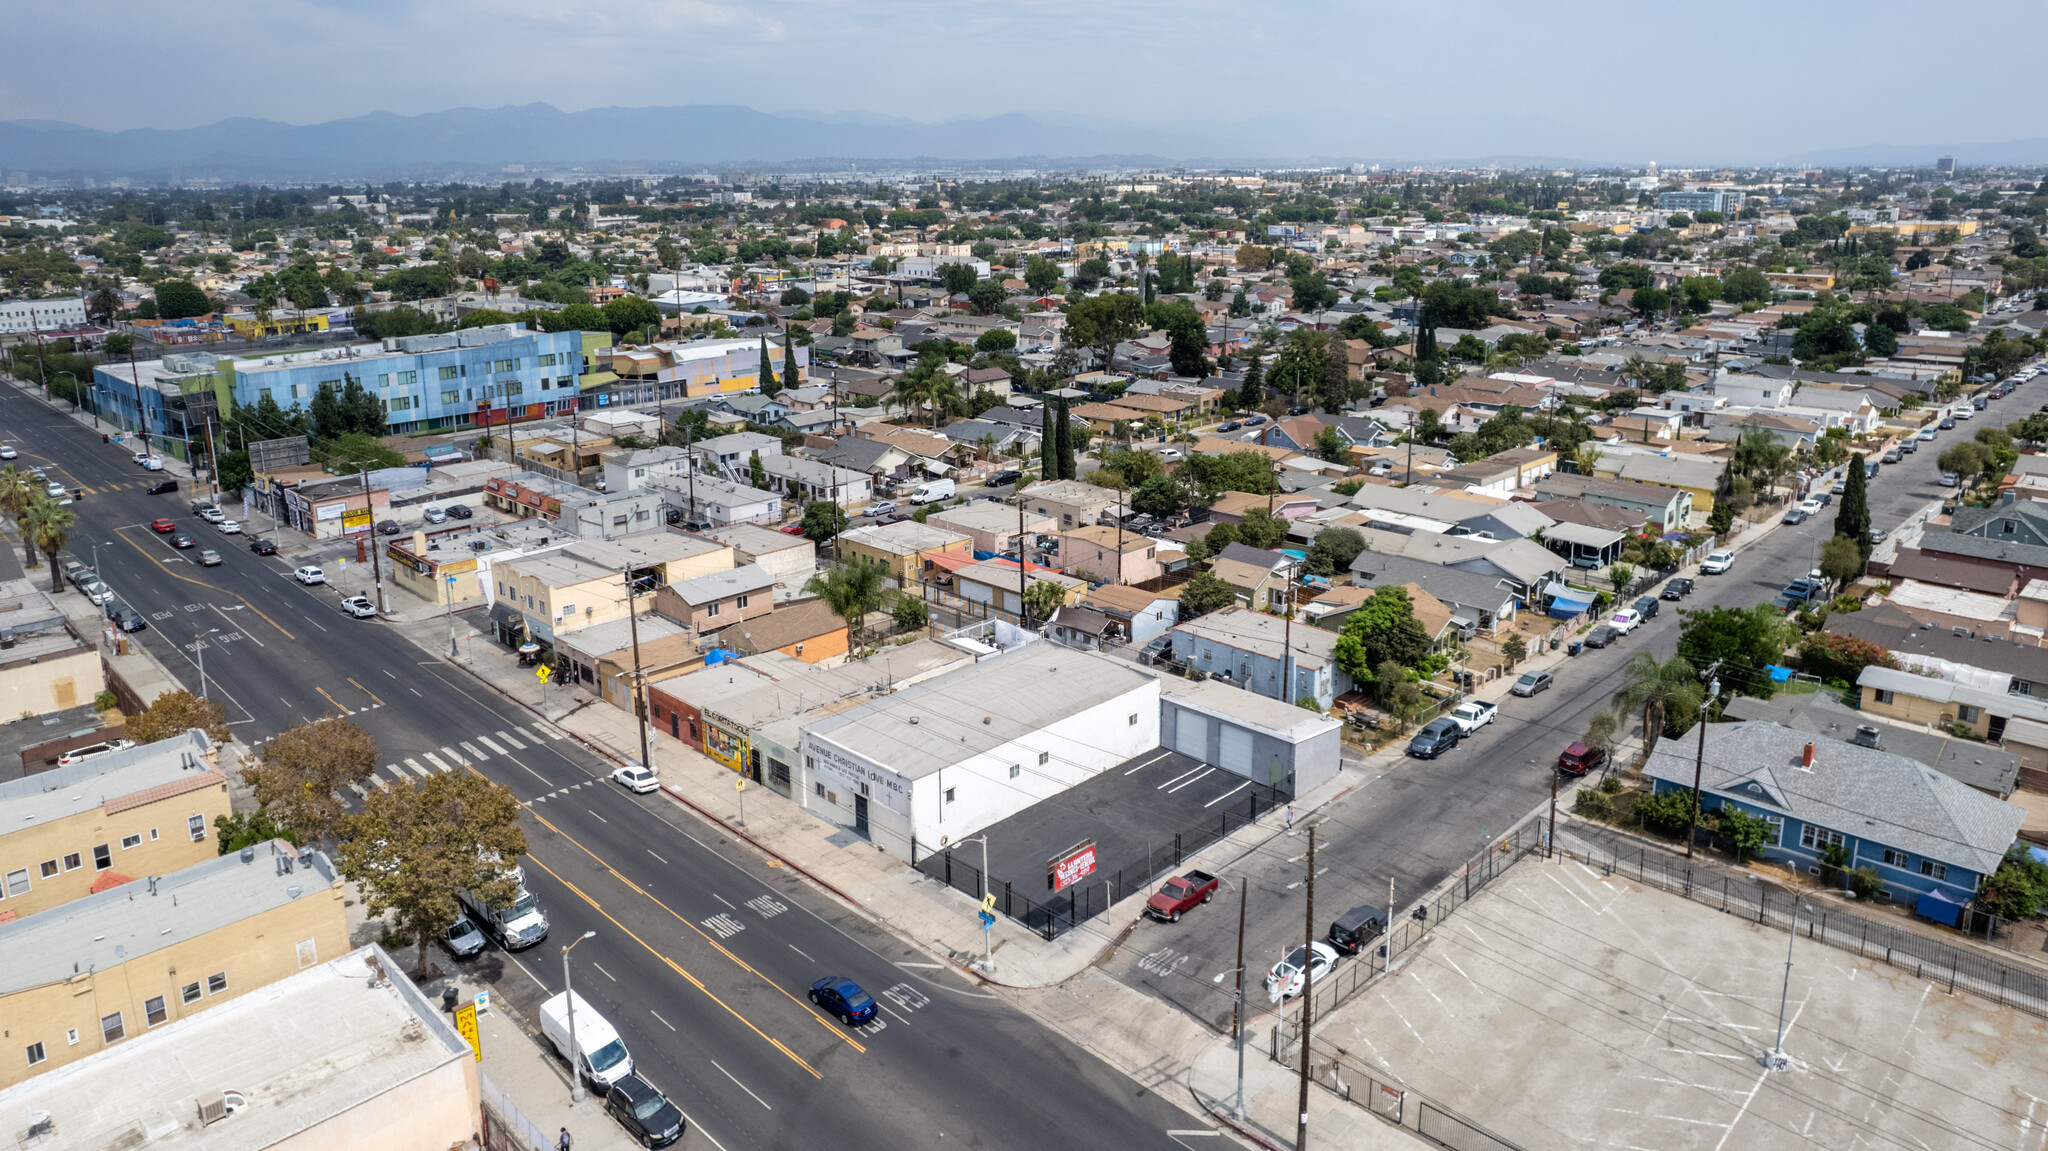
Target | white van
(930,490)
(602,1056)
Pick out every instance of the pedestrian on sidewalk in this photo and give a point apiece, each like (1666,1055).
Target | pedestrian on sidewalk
(562,1144)
(1290,817)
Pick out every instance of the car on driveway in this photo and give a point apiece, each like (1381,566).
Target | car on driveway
(1436,737)
(359,606)
(644,1112)
(843,998)
(1580,758)
(462,939)
(636,778)
(181,541)
(1717,562)
(310,575)
(263,547)
(1531,683)
(209,558)
(228,528)
(1602,636)
(1286,979)
(1677,588)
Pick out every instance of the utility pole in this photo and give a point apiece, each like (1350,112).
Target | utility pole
(1287,643)
(1308,987)
(1699,762)
(135,377)
(639,679)
(1237,1009)
(1550,841)
(690,464)
(1023,563)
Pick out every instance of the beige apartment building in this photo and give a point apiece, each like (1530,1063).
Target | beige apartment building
(103,970)
(72,831)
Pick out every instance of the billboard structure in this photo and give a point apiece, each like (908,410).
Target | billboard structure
(270,455)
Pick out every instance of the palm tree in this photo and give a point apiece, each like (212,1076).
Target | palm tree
(48,525)
(1658,690)
(912,388)
(18,492)
(943,393)
(853,590)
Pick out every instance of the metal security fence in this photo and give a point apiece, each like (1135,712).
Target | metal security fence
(1924,956)
(1345,1074)
(506,1127)
(1447,1130)
(1051,915)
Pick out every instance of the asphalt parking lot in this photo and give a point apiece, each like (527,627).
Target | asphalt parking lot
(1566,1009)
(1144,808)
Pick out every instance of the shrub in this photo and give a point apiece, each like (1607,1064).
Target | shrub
(1594,804)
(1864,881)
(1667,811)
(2018,889)
(1841,657)
(1610,784)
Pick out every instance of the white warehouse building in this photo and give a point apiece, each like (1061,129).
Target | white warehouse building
(924,767)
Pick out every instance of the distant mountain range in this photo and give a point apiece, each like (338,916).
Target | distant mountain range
(480,142)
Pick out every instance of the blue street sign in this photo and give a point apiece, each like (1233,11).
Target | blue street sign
(987,920)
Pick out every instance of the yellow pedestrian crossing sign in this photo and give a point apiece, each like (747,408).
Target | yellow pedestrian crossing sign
(544,672)
(465,1022)
(988,902)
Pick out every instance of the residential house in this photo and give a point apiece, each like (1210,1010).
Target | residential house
(791,559)
(1230,507)
(1923,832)
(994,527)
(711,602)
(702,499)
(1109,555)
(1261,578)
(1478,602)
(1143,614)
(1295,432)
(800,481)
(1584,546)
(1501,474)
(1072,503)
(1695,476)
(1991,564)
(1264,655)
(1989,769)
(809,630)
(996,585)
(903,548)
(1668,508)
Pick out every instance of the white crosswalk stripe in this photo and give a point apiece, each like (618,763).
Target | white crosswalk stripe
(545,730)
(453,755)
(436,761)
(473,752)
(414,764)
(530,737)
(486,741)
(507,737)
(358,789)
(379,781)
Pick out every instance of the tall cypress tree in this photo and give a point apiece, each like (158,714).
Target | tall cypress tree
(767,380)
(1853,521)
(789,377)
(1048,444)
(1065,431)
(1252,392)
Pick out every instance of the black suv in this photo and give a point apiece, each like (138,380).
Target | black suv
(1002,479)
(645,1113)
(1647,607)
(1436,737)
(1357,927)
(161,486)
(1677,588)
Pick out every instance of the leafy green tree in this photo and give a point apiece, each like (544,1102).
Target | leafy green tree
(234,832)
(1965,459)
(1239,471)
(1383,629)
(181,299)
(1743,641)
(1204,593)
(1331,446)
(480,318)
(757,472)
(765,377)
(175,712)
(1159,495)
(2018,890)
(957,278)
(1251,390)
(1103,322)
(910,613)
(790,379)
(986,297)
(996,340)
(1041,274)
(1333,550)
(1651,301)
(1048,441)
(1699,292)
(630,314)
(303,769)
(353,448)
(1852,522)
(415,845)
(1748,833)
(1187,335)
(1659,691)
(1261,529)
(1840,560)
(49,525)
(853,591)
(580,317)
(823,520)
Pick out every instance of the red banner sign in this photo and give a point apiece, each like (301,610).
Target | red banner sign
(1071,866)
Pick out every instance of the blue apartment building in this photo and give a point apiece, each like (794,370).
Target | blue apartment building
(1726,203)
(470,378)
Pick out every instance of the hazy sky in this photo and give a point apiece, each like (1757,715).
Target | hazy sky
(1644,80)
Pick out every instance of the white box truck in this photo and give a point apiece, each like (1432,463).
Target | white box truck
(931,490)
(601,1055)
(516,925)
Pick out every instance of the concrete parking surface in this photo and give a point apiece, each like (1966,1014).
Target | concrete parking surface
(1566,1009)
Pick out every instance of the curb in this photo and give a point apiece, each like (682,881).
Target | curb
(799,868)
(1236,1129)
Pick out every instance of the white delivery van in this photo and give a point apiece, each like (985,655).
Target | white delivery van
(930,490)
(602,1058)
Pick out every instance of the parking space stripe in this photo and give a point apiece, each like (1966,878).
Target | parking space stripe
(474,753)
(516,745)
(486,741)
(433,759)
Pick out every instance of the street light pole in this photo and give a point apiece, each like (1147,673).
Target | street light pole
(199,645)
(454,651)
(575,1053)
(1775,1059)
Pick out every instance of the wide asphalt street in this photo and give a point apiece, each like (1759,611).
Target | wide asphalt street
(1417,822)
(703,953)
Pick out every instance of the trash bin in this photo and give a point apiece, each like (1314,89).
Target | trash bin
(1574,649)
(1554,641)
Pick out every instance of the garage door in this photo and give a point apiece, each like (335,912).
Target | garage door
(1191,734)
(1237,750)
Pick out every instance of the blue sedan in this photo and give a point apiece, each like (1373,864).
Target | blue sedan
(844,998)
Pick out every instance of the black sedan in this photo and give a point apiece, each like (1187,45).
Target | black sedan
(181,541)
(1002,479)
(644,1112)
(263,547)
(1602,636)
(1677,588)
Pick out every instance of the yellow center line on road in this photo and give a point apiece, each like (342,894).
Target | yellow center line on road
(836,1031)
(332,700)
(677,968)
(367,691)
(122,534)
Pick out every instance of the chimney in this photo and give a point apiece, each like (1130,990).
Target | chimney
(1806,760)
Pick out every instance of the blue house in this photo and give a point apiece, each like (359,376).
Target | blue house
(1925,833)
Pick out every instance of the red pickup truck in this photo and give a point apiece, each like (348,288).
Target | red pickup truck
(1181,893)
